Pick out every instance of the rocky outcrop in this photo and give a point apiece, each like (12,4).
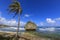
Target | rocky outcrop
(30,26)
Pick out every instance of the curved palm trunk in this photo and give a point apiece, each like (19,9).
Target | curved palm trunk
(18,26)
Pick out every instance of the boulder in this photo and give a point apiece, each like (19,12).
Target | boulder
(30,26)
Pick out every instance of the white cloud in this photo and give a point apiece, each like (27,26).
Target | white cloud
(16,28)
(22,23)
(47,29)
(57,19)
(49,20)
(8,22)
(41,23)
(26,15)
(11,22)
(0,14)
(2,20)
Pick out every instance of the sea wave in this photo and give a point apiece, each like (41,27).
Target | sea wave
(39,29)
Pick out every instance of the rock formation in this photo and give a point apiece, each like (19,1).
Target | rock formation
(30,26)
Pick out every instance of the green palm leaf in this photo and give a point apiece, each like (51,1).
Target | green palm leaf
(15,8)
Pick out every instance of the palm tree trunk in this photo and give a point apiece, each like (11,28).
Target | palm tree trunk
(18,26)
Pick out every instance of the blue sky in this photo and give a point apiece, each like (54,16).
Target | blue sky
(42,12)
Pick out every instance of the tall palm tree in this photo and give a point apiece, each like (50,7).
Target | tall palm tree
(15,8)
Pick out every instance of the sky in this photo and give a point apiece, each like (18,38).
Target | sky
(41,12)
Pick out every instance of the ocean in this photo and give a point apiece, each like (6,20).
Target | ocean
(39,29)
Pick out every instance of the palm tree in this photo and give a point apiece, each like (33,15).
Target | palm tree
(15,8)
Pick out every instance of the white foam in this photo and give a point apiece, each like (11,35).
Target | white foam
(47,29)
(15,28)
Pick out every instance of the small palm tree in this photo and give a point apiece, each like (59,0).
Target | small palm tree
(15,8)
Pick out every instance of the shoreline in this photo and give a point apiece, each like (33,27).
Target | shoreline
(7,32)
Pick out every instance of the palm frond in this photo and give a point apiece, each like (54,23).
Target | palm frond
(12,6)
(15,8)
(15,13)
(12,10)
